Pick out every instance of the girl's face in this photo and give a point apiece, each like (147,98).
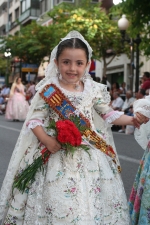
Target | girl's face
(72,64)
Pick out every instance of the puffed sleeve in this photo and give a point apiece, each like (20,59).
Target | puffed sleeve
(40,113)
(101,103)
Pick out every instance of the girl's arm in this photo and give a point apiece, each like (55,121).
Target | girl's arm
(130,120)
(50,142)
(36,123)
(124,120)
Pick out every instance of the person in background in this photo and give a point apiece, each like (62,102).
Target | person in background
(123,88)
(17,106)
(147,92)
(123,91)
(30,92)
(117,101)
(146,81)
(139,200)
(140,94)
(126,108)
(2,108)
(140,83)
(129,129)
(106,82)
(114,88)
(4,94)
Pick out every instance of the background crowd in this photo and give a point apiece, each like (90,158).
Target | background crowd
(122,98)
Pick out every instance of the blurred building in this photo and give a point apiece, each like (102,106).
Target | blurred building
(9,14)
(30,10)
(16,12)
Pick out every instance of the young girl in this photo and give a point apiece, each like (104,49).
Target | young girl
(83,189)
(139,201)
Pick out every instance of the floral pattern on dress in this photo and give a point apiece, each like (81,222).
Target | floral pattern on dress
(139,203)
(10,220)
(72,190)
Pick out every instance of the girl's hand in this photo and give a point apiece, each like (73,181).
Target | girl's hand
(52,144)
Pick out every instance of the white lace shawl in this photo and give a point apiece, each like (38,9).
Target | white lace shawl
(142,135)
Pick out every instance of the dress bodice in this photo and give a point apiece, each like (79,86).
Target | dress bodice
(94,96)
(92,103)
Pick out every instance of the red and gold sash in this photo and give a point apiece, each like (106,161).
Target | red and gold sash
(64,108)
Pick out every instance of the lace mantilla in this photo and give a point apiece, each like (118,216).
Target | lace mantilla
(51,70)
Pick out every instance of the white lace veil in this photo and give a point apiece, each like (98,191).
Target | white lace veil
(25,140)
(51,70)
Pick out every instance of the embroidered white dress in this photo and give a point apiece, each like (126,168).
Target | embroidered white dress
(78,190)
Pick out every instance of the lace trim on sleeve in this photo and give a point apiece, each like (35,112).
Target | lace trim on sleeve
(111,116)
(34,123)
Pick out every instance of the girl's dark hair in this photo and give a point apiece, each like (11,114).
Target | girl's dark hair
(72,43)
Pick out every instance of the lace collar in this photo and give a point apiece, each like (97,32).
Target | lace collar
(87,88)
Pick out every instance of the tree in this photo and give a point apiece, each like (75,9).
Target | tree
(3,65)
(32,43)
(94,24)
(138,13)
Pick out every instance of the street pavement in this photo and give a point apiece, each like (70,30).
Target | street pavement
(128,150)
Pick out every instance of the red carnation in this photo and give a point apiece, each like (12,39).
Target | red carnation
(68,133)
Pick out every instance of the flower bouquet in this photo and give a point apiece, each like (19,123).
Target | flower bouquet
(68,134)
